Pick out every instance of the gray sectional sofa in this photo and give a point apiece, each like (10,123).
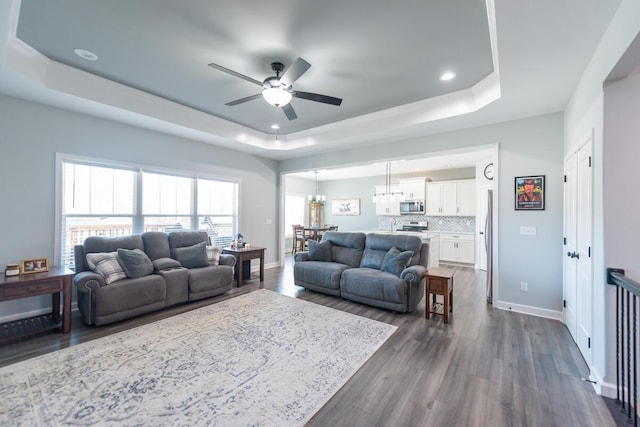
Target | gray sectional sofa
(381,270)
(153,277)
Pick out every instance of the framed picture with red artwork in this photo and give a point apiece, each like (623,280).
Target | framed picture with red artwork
(529,193)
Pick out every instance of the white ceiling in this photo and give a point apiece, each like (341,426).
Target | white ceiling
(512,58)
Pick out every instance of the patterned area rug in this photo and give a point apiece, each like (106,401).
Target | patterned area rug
(260,359)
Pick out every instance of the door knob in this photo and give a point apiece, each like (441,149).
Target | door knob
(569,254)
(576,255)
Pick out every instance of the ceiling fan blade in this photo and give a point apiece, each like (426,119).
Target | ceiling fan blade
(245,99)
(318,98)
(290,112)
(293,73)
(235,73)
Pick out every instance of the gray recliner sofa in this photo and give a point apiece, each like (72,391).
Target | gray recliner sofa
(354,270)
(168,284)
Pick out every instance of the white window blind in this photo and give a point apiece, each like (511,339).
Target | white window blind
(218,209)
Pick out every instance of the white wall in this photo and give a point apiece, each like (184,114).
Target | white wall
(621,206)
(527,146)
(621,155)
(583,114)
(31,134)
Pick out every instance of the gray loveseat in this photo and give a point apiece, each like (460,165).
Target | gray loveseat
(353,269)
(159,279)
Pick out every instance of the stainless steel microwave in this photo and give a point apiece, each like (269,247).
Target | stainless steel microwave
(412,208)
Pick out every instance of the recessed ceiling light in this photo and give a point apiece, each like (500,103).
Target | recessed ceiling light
(85,54)
(447,76)
(275,126)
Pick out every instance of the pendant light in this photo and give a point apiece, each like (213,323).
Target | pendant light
(317,197)
(388,195)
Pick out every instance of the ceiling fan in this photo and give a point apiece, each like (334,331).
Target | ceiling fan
(278,89)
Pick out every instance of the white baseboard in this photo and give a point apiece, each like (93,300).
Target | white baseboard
(527,309)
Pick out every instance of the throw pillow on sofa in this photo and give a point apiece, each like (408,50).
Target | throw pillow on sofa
(320,251)
(213,255)
(135,263)
(193,256)
(106,264)
(395,261)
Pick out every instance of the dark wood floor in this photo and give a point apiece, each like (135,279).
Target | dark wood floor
(485,368)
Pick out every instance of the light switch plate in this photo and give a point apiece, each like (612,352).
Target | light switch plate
(528,230)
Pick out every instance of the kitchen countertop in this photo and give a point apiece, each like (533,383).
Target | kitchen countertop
(456,232)
(417,233)
(423,235)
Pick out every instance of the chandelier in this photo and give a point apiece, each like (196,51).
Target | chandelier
(317,197)
(388,195)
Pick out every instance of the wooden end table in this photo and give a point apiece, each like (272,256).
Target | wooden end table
(55,281)
(243,254)
(439,281)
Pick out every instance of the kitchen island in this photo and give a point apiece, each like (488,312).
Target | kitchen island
(430,237)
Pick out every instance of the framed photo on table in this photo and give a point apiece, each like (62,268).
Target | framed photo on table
(529,193)
(345,206)
(37,265)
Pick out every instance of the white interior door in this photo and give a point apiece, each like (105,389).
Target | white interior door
(578,272)
(570,271)
(584,215)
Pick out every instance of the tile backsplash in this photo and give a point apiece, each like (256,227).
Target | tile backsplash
(456,224)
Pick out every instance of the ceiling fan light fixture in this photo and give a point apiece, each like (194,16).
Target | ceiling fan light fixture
(276,96)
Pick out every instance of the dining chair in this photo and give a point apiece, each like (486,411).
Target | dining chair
(298,240)
(311,234)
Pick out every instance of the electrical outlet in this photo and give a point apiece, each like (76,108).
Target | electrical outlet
(524,287)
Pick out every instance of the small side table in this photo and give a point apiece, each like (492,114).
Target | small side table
(243,254)
(55,282)
(439,281)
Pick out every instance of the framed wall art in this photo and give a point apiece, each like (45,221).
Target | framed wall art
(529,193)
(345,206)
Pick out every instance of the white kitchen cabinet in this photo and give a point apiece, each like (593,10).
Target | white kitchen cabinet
(413,189)
(451,198)
(391,207)
(441,198)
(434,248)
(457,248)
(467,251)
(466,198)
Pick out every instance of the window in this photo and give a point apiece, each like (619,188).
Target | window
(293,212)
(106,200)
(217,207)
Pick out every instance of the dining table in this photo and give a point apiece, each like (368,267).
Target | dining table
(315,233)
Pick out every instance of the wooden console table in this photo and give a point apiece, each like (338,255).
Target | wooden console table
(243,254)
(55,281)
